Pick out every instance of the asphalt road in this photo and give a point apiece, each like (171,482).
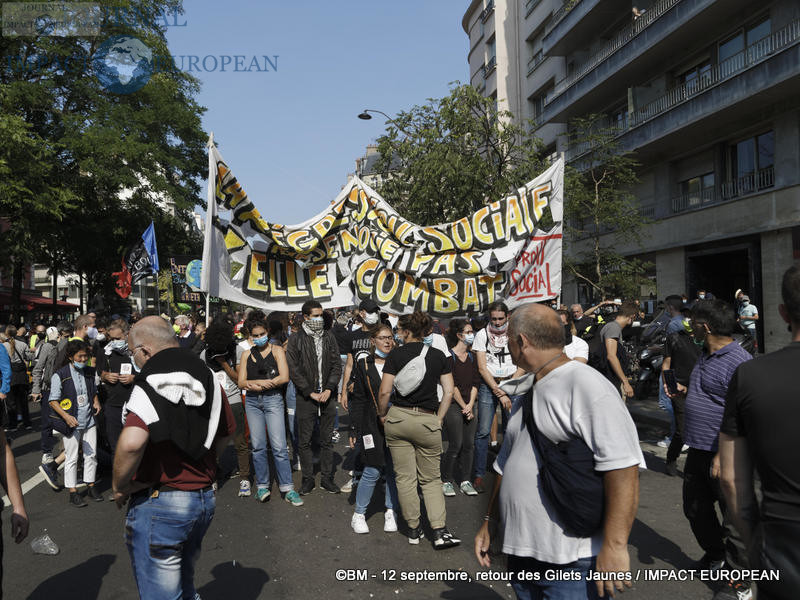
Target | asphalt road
(277,551)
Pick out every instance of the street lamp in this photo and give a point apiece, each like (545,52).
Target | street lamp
(365,116)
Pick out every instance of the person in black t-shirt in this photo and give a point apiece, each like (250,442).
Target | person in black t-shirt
(414,429)
(759,431)
(116,374)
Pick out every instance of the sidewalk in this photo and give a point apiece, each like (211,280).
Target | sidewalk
(647,412)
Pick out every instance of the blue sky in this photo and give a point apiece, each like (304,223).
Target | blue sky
(291,136)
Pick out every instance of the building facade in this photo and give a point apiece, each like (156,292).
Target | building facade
(706,93)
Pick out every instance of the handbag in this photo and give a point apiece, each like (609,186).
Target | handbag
(568,478)
(19,371)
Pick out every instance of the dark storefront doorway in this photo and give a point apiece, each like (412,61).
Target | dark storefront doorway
(724,267)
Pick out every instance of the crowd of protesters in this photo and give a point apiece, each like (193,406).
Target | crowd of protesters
(408,384)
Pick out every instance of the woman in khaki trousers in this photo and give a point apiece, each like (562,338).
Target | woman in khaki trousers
(413,427)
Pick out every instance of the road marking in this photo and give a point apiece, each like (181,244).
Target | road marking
(30,484)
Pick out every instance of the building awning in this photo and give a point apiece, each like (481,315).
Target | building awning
(33,302)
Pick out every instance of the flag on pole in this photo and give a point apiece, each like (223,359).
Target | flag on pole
(140,261)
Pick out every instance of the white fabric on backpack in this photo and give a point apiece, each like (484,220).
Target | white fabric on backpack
(410,377)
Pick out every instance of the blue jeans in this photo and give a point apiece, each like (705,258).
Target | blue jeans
(369,480)
(552,585)
(291,414)
(265,415)
(665,403)
(163,536)
(487,406)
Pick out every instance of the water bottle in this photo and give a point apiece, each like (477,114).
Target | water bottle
(44,544)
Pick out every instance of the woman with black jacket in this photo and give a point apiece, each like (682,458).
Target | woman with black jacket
(367,430)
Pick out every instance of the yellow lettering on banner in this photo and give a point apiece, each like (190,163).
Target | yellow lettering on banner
(323,226)
(472,267)
(330,246)
(499,231)
(448,261)
(278,235)
(257,277)
(349,242)
(540,199)
(526,212)
(402,230)
(411,292)
(318,278)
(388,248)
(447,243)
(477,226)
(444,298)
(470,297)
(462,226)
(363,207)
(363,238)
(364,270)
(385,296)
(514,218)
(352,197)
(275,290)
(420,260)
(291,281)
(233,241)
(489,281)
(300,241)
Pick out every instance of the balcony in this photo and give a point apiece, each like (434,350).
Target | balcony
(529,6)
(730,190)
(708,91)
(578,20)
(621,39)
(490,66)
(535,61)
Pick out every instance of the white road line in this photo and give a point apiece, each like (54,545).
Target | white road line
(30,484)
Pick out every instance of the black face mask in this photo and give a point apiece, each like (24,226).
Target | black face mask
(567,335)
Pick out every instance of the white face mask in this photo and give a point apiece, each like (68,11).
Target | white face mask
(371,318)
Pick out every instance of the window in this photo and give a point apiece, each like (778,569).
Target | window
(698,189)
(491,50)
(697,77)
(538,103)
(743,38)
(751,164)
(759,31)
(731,47)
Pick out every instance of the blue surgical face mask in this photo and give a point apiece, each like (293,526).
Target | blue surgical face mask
(79,365)
(120,345)
(428,339)
(381,353)
(261,341)
(469,338)
(397,338)
(136,367)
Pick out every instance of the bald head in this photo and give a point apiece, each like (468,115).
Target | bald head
(153,332)
(540,325)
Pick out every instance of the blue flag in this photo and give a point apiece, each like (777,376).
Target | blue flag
(149,237)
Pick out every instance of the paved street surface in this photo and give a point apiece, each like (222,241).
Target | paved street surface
(276,551)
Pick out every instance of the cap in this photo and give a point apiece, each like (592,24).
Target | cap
(369,305)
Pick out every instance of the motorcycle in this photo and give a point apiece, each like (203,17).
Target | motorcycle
(651,358)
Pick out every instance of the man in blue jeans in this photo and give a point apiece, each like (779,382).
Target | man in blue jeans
(495,366)
(165,465)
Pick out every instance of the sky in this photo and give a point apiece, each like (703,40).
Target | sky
(292,135)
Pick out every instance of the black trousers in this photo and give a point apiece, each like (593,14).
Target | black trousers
(308,411)
(460,443)
(18,405)
(113,419)
(701,493)
(678,408)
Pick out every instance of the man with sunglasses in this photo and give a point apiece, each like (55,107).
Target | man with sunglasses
(713,323)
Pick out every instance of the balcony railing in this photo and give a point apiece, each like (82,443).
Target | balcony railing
(535,61)
(736,64)
(749,184)
(622,38)
(487,11)
(490,66)
(559,14)
(530,5)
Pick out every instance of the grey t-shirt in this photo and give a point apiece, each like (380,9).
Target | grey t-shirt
(573,400)
(611,331)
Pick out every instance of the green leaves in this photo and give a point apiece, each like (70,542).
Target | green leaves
(448,157)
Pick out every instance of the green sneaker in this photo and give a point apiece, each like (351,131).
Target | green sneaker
(293,498)
(262,494)
(466,488)
(448,489)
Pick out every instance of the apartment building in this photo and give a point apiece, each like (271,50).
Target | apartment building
(707,95)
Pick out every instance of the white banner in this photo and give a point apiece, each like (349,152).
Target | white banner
(537,274)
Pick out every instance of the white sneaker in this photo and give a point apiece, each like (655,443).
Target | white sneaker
(664,443)
(389,522)
(348,487)
(359,523)
(684,448)
(335,437)
(244,488)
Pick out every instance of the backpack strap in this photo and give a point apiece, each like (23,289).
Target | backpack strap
(369,385)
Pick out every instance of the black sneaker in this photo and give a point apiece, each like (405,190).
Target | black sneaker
(415,534)
(50,473)
(77,500)
(94,494)
(307,486)
(707,563)
(326,483)
(671,469)
(735,590)
(442,538)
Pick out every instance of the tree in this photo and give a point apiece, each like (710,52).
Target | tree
(600,212)
(454,154)
(119,159)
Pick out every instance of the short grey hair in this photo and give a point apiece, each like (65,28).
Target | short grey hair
(154,332)
(183,321)
(540,325)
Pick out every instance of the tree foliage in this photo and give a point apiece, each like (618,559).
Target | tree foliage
(601,214)
(96,166)
(448,157)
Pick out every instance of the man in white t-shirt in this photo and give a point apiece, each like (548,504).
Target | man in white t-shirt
(574,347)
(495,366)
(570,400)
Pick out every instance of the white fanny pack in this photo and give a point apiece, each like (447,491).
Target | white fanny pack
(410,376)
